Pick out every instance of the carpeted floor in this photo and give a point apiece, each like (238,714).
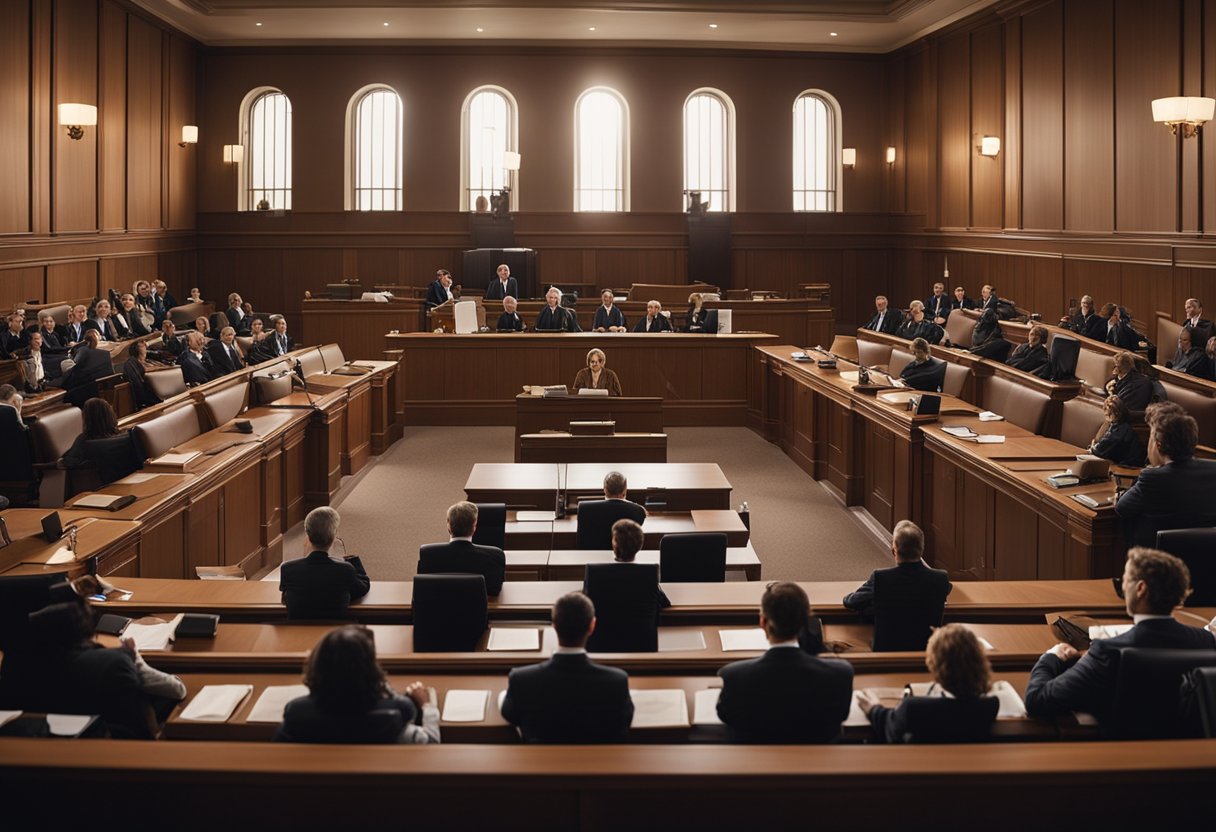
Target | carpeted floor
(398,502)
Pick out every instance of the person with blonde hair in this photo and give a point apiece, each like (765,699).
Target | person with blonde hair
(597,376)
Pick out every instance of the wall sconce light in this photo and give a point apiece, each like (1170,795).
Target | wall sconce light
(848,157)
(510,160)
(1187,112)
(990,145)
(890,155)
(189,135)
(234,154)
(76,117)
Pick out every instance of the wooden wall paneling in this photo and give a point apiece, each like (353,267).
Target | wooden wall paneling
(954,131)
(1047,286)
(258,272)
(916,138)
(1100,279)
(416,265)
(182,160)
(21,286)
(304,269)
(144,131)
(1147,41)
(15,117)
(1089,136)
(122,273)
(112,113)
(895,191)
(1207,146)
(1011,157)
(65,281)
(43,116)
(177,269)
(1191,47)
(1042,113)
(987,119)
(74,175)
(377,265)
(1146,288)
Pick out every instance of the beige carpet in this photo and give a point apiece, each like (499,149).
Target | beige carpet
(397,503)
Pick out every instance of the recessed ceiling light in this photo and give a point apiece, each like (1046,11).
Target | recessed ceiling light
(713,25)
(386,23)
(257,24)
(480,29)
(590,28)
(833,34)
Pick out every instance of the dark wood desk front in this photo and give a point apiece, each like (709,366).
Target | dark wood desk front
(632,414)
(552,448)
(563,534)
(681,486)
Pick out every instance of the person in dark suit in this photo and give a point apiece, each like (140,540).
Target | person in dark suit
(224,354)
(595,517)
(907,599)
(13,340)
(786,695)
(1129,384)
(52,335)
(884,320)
(1175,490)
(918,325)
(924,372)
(988,339)
(440,289)
(135,371)
(350,700)
(1118,331)
(554,317)
(36,365)
(89,364)
(319,586)
(127,319)
(509,320)
(569,699)
(627,540)
(503,285)
(697,314)
(101,321)
(168,347)
(165,298)
(1063,680)
(194,370)
(1116,440)
(1032,355)
(1085,320)
(102,446)
(957,707)
(1194,320)
(460,555)
(278,341)
(988,299)
(961,300)
(237,317)
(1190,358)
(655,320)
(609,317)
(937,305)
(73,330)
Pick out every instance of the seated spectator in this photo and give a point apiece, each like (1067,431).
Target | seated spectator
(278,340)
(350,700)
(34,366)
(595,517)
(224,353)
(988,339)
(53,340)
(937,305)
(169,347)
(460,555)
(1191,357)
(319,586)
(203,326)
(101,321)
(918,325)
(627,540)
(238,318)
(257,331)
(569,699)
(73,331)
(907,599)
(1116,439)
(11,401)
(694,318)
(1129,384)
(135,371)
(1032,355)
(1119,331)
(102,445)
(196,367)
(127,319)
(553,316)
(162,291)
(923,372)
(89,364)
(1194,320)
(654,321)
(13,339)
(1085,321)
(786,695)
(961,301)
(957,708)
(884,320)
(988,299)
(509,320)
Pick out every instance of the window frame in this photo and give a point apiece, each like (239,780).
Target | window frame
(623,155)
(728,146)
(244,195)
(466,204)
(835,141)
(351,201)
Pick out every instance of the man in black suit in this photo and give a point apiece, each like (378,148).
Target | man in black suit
(52,334)
(277,340)
(224,355)
(503,285)
(169,346)
(554,317)
(237,319)
(1176,490)
(570,699)
(194,370)
(627,540)
(319,586)
(90,364)
(460,555)
(1195,320)
(440,291)
(509,320)
(1063,680)
(786,695)
(13,340)
(101,323)
(1086,321)
(937,305)
(1190,357)
(907,599)
(595,517)
(884,320)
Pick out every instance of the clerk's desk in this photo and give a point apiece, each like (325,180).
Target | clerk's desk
(563,534)
(632,414)
(731,602)
(559,447)
(681,486)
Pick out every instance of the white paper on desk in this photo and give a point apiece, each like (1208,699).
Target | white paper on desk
(659,709)
(1088,720)
(1108,630)
(175,459)
(536,516)
(215,703)
(750,639)
(503,638)
(67,725)
(465,706)
(136,479)
(856,717)
(705,707)
(152,637)
(990,439)
(959,431)
(1011,704)
(8,716)
(61,555)
(272,702)
(502,697)
(674,641)
(1211,626)
(989,416)
(96,501)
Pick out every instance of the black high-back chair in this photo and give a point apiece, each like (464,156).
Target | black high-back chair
(491,525)
(1065,351)
(1203,680)
(902,620)
(693,557)
(1197,549)
(595,519)
(1148,699)
(449,613)
(626,607)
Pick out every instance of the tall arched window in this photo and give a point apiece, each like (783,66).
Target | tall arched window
(816,152)
(489,131)
(601,151)
(266,134)
(709,148)
(373,129)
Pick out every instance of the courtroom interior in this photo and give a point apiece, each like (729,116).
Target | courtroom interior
(690,413)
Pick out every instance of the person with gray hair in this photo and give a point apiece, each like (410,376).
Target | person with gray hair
(320,586)
(595,517)
(460,555)
(906,600)
(554,317)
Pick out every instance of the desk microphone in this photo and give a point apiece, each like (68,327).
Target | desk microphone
(559,499)
(298,375)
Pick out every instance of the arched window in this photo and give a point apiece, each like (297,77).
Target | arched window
(709,148)
(601,151)
(373,129)
(266,135)
(816,152)
(489,131)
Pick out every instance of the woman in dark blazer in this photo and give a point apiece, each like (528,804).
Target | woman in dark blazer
(957,707)
(694,320)
(349,699)
(102,445)
(597,376)
(135,371)
(1116,440)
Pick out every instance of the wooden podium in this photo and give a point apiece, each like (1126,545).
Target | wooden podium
(443,316)
(632,414)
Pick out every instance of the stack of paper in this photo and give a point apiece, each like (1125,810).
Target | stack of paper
(1108,630)
(272,702)
(465,706)
(960,431)
(735,640)
(67,725)
(96,501)
(215,703)
(674,641)
(989,416)
(990,439)
(705,707)
(1011,704)
(659,709)
(151,634)
(8,716)
(512,639)
(856,717)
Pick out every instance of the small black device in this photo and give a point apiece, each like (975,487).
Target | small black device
(711,322)
(52,527)
(111,624)
(198,625)
(928,405)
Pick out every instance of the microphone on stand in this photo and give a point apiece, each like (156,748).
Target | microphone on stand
(298,375)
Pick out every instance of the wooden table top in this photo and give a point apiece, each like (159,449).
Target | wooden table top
(589,476)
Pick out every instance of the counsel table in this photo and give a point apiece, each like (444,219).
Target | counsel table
(681,486)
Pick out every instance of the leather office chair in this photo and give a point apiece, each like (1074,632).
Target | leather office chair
(1094,368)
(939,720)
(902,623)
(1148,700)
(693,557)
(167,383)
(595,519)
(1065,352)
(1197,549)
(1080,421)
(17,478)
(955,379)
(491,525)
(1203,683)
(626,607)
(1022,406)
(116,457)
(449,613)
(873,353)
(959,329)
(899,359)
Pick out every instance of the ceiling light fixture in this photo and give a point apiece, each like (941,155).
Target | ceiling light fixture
(257,24)
(831,34)
(590,28)
(479,29)
(386,23)
(713,25)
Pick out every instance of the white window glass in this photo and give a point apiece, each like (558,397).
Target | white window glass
(490,126)
(815,154)
(378,152)
(601,152)
(269,152)
(708,139)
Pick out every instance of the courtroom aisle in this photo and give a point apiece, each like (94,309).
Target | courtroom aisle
(398,502)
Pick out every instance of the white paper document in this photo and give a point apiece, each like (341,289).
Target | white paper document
(705,707)
(61,555)
(215,703)
(989,416)
(751,639)
(152,636)
(8,716)
(659,709)
(67,725)
(465,706)
(990,439)
(1108,630)
(1012,705)
(272,702)
(856,717)
(96,500)
(136,479)
(175,459)
(674,641)
(960,431)
(503,638)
